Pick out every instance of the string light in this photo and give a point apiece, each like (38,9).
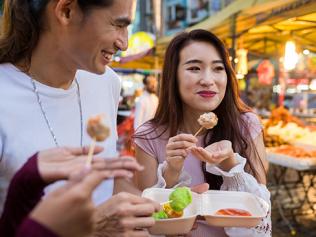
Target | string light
(306,52)
(290,56)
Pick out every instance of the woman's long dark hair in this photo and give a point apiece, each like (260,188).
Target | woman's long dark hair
(22,24)
(231,126)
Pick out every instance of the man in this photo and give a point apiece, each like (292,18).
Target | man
(146,105)
(49,87)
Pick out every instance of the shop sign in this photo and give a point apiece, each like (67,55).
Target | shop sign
(139,42)
(265,72)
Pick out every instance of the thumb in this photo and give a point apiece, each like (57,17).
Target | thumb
(90,182)
(74,178)
(200,188)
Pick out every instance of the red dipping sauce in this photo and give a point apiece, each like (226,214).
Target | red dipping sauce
(232,212)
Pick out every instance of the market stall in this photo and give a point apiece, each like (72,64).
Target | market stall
(291,152)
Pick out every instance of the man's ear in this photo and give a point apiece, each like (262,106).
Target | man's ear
(65,10)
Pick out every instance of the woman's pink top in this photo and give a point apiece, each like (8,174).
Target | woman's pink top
(156,147)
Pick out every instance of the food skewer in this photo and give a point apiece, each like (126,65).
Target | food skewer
(90,153)
(167,202)
(98,131)
(207,121)
(198,131)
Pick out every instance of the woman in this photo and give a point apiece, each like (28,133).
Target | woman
(66,212)
(44,100)
(198,78)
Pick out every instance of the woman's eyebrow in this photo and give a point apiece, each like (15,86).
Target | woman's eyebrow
(193,61)
(200,61)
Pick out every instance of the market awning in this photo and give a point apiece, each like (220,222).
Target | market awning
(215,20)
(265,32)
(144,60)
(147,62)
(262,26)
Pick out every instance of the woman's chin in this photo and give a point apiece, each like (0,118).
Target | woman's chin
(207,107)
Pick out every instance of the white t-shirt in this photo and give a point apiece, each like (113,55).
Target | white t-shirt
(23,130)
(145,108)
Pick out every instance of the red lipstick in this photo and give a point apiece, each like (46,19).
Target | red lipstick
(207,94)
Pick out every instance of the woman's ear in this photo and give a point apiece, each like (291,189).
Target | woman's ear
(65,10)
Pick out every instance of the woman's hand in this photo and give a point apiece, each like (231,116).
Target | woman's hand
(69,211)
(176,150)
(219,153)
(58,163)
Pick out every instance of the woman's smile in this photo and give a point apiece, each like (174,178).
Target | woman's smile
(206,94)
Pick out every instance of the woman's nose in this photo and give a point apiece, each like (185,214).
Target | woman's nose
(207,79)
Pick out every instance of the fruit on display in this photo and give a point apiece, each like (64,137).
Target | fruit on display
(273,141)
(291,133)
(283,116)
(295,151)
(288,128)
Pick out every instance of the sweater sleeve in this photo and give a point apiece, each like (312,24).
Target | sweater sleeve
(25,191)
(31,228)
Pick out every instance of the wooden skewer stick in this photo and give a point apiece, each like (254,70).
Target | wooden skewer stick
(197,133)
(163,203)
(90,154)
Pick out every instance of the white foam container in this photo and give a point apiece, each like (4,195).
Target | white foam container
(206,205)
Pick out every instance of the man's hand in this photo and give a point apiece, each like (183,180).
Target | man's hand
(58,163)
(125,215)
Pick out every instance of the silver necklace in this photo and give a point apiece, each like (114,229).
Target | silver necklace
(35,90)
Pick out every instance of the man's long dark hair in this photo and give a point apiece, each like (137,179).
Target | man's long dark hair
(22,24)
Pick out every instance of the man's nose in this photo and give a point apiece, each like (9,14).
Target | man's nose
(122,42)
